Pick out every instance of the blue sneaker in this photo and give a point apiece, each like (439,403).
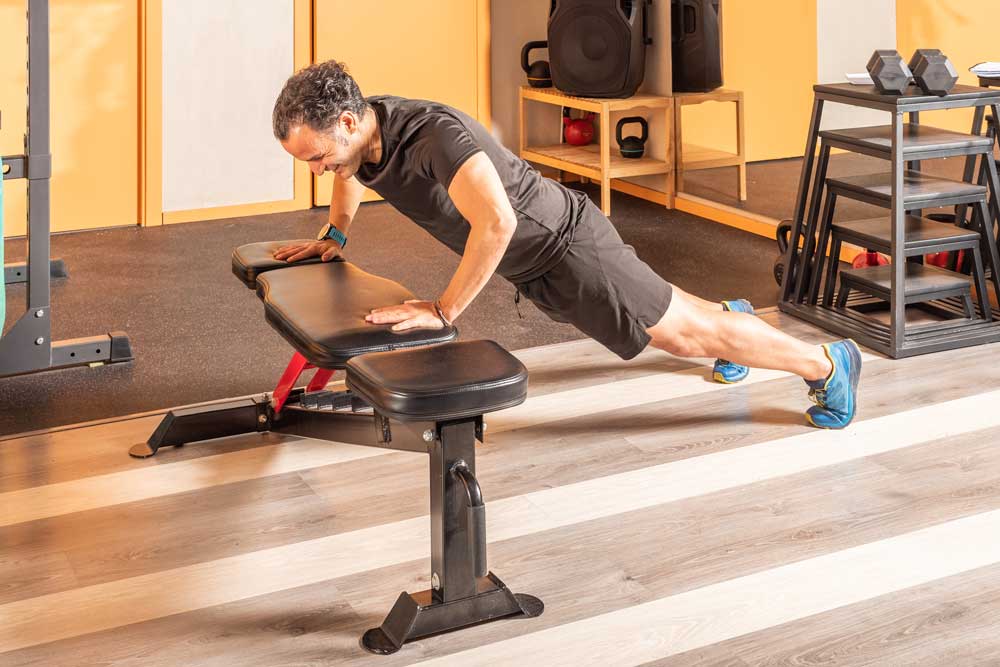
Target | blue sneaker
(836,396)
(724,371)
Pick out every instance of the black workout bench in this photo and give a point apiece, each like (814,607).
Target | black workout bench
(418,391)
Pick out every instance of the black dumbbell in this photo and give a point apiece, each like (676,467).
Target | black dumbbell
(933,72)
(889,72)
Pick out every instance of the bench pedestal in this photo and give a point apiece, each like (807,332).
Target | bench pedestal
(462,592)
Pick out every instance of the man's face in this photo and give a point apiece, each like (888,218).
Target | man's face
(338,149)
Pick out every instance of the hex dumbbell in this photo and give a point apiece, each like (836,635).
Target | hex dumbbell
(933,72)
(889,72)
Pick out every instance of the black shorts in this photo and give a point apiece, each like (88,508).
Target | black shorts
(602,288)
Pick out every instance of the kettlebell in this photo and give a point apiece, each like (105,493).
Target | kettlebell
(953,260)
(538,71)
(578,132)
(632,147)
(868,258)
(783,235)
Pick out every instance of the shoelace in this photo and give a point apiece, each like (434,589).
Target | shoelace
(814,396)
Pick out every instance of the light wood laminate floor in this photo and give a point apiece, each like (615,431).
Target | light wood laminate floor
(664,519)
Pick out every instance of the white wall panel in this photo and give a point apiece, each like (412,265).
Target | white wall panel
(224,62)
(848,31)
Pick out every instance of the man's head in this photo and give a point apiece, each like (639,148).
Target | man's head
(318,119)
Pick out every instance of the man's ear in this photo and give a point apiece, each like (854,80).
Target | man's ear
(348,123)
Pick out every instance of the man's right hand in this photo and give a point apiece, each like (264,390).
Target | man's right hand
(327,249)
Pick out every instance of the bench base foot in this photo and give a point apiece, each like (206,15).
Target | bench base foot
(417,615)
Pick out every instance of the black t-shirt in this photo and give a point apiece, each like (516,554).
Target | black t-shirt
(423,145)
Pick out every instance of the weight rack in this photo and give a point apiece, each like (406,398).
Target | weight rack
(27,347)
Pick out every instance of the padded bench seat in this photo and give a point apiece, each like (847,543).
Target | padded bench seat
(441,382)
(320,307)
(253,259)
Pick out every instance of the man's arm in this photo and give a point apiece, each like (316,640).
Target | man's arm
(343,206)
(345,201)
(479,195)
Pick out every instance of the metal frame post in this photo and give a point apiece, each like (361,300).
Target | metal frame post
(28,347)
(452,576)
(897,299)
(801,198)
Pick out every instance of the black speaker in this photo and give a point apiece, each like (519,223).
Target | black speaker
(697,45)
(597,48)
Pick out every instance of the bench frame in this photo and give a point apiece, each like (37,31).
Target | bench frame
(463,591)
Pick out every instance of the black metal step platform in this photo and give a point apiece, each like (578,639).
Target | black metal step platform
(920,234)
(919,190)
(920,142)
(921,280)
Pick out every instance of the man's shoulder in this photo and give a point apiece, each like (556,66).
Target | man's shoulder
(410,110)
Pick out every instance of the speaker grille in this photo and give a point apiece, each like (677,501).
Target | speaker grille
(589,49)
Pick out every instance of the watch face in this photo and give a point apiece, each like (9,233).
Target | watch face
(323,232)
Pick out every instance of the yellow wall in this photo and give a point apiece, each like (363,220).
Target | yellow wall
(769,52)
(441,60)
(12,110)
(94,115)
(967,32)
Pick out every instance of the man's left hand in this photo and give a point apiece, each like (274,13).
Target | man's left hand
(412,314)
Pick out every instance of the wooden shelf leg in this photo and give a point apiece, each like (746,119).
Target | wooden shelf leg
(678,148)
(670,177)
(741,185)
(520,124)
(606,158)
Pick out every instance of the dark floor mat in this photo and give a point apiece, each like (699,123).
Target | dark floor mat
(198,334)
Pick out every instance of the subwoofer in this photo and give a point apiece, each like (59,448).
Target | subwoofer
(597,48)
(697,45)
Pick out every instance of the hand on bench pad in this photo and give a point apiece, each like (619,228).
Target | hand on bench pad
(320,309)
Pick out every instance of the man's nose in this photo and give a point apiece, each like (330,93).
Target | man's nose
(317,168)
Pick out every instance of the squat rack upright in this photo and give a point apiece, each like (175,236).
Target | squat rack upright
(27,347)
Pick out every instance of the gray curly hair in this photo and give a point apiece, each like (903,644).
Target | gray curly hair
(315,97)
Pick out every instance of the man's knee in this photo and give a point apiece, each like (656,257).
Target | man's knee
(677,344)
(682,331)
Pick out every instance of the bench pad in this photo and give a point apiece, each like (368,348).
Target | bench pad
(450,381)
(253,259)
(320,308)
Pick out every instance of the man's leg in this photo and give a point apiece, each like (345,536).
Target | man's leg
(693,327)
(706,305)
(832,371)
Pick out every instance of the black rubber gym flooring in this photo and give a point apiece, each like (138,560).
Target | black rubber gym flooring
(198,334)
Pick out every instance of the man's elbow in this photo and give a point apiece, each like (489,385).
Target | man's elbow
(505,224)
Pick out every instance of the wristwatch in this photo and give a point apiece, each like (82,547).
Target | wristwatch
(330,232)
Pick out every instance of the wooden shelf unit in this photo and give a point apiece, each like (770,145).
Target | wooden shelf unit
(691,157)
(601,161)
